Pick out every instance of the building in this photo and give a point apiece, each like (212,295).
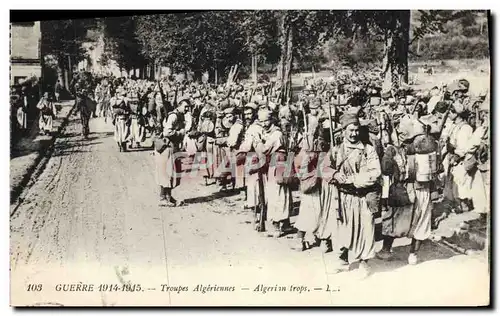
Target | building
(25,56)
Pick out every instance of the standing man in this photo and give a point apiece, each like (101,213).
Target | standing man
(409,217)
(278,193)
(249,115)
(356,173)
(255,180)
(168,166)
(458,183)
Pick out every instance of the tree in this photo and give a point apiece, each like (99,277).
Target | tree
(299,33)
(63,39)
(260,33)
(192,41)
(120,42)
(394,27)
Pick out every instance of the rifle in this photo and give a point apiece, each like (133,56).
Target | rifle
(332,146)
(262,204)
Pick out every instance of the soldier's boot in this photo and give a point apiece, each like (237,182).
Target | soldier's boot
(299,243)
(385,253)
(326,245)
(173,202)
(275,231)
(120,148)
(124,146)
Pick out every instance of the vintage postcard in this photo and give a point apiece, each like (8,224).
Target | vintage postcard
(251,158)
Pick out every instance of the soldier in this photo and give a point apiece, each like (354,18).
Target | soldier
(458,183)
(229,137)
(83,107)
(479,148)
(249,116)
(254,177)
(136,120)
(168,166)
(278,193)
(121,111)
(356,172)
(234,140)
(409,197)
(307,160)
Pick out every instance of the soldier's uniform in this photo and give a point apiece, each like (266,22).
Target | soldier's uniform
(121,112)
(168,165)
(137,123)
(83,108)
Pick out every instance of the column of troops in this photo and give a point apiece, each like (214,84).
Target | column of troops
(368,165)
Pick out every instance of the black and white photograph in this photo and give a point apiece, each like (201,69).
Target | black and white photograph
(250,158)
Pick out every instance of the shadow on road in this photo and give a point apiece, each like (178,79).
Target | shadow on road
(139,149)
(29,147)
(69,153)
(69,148)
(212,197)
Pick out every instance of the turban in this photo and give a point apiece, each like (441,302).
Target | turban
(349,118)
(229,110)
(264,114)
(251,105)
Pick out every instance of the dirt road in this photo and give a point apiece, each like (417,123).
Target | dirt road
(92,219)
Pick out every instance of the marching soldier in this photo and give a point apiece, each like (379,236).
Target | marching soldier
(121,111)
(83,108)
(137,123)
(168,166)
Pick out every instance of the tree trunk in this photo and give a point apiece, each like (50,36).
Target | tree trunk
(285,66)
(395,63)
(70,69)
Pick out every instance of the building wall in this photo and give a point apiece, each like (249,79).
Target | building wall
(22,71)
(25,50)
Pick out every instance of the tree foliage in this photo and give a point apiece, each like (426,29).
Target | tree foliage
(120,41)
(191,41)
(65,37)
